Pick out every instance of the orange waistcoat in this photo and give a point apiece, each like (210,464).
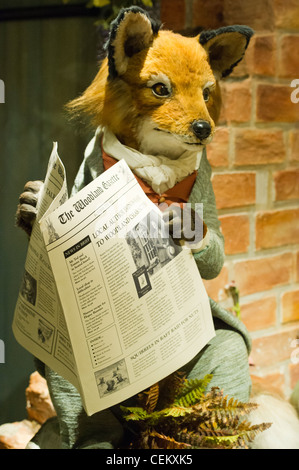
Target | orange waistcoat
(178,194)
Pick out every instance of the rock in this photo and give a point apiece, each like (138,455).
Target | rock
(39,409)
(39,405)
(17,435)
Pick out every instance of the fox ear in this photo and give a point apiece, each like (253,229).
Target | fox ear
(132,31)
(225,47)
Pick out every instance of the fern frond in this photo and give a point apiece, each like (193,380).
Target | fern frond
(134,413)
(196,383)
(224,442)
(222,409)
(236,406)
(193,391)
(170,388)
(212,428)
(238,437)
(250,431)
(176,411)
(193,439)
(195,418)
(148,398)
(227,409)
(166,442)
(210,439)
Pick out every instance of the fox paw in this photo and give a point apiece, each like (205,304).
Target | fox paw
(26,211)
(184,225)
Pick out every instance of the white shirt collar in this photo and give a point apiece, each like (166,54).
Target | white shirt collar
(160,172)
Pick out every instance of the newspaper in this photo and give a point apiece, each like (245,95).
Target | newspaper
(108,300)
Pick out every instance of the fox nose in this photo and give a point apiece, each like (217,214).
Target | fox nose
(202,129)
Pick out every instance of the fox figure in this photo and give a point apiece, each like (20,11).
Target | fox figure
(155,102)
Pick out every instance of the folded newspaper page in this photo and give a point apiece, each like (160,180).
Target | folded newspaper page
(39,323)
(117,306)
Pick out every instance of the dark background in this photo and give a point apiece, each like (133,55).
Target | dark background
(44,63)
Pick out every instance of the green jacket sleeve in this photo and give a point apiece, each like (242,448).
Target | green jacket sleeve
(210,260)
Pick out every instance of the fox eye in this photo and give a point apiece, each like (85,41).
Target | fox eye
(161,90)
(206,94)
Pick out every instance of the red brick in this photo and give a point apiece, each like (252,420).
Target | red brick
(258,15)
(290,306)
(173,14)
(289,56)
(235,229)
(286,14)
(236,101)
(294,143)
(259,147)
(242,69)
(271,383)
(273,104)
(217,150)
(216,287)
(259,314)
(234,189)
(208,15)
(286,184)
(261,55)
(271,349)
(261,274)
(277,228)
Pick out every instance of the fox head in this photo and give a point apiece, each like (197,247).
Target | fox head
(158,91)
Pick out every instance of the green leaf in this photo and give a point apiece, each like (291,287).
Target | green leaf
(176,411)
(197,383)
(193,391)
(134,413)
(147,3)
(100,3)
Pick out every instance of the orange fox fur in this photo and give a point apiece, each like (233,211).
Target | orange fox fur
(121,104)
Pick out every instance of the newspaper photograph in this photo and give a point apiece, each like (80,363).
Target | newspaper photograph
(128,305)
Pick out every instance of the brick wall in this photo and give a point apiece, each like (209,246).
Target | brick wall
(255,160)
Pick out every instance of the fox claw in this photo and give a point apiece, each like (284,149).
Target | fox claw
(26,210)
